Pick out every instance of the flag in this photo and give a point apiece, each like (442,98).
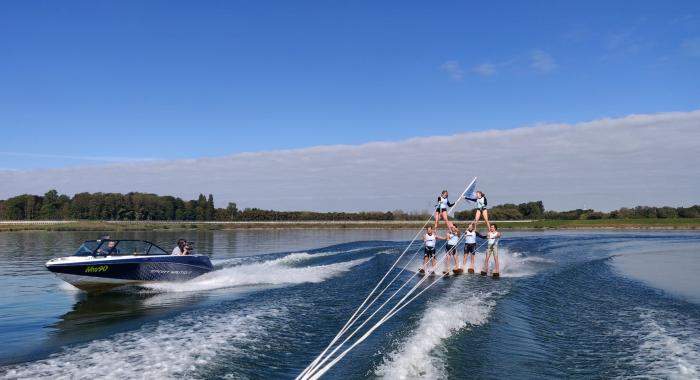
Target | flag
(470,192)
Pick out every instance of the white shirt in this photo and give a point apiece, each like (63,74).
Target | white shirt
(454,239)
(493,238)
(177,251)
(429,240)
(470,237)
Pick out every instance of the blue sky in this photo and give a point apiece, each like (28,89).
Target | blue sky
(89,82)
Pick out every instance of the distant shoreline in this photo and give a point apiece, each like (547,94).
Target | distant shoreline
(623,224)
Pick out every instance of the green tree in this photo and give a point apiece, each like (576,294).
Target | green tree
(210,208)
(201,213)
(532,210)
(50,205)
(232,210)
(14,208)
(32,207)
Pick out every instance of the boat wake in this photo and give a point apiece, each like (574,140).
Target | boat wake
(290,258)
(516,264)
(171,348)
(421,354)
(193,341)
(460,307)
(283,270)
(668,347)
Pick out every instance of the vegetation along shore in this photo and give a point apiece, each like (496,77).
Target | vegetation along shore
(92,225)
(143,211)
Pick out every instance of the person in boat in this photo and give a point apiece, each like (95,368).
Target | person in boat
(470,235)
(110,249)
(493,237)
(443,204)
(452,236)
(182,248)
(480,208)
(429,240)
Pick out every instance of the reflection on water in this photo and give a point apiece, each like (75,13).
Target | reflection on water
(92,312)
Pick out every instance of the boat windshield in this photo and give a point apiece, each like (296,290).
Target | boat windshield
(119,247)
(136,247)
(87,248)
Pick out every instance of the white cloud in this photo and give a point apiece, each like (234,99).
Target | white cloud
(485,69)
(542,61)
(453,69)
(604,164)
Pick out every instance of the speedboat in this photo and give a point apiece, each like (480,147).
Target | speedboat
(104,264)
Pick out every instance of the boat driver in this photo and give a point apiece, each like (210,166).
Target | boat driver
(110,249)
(182,248)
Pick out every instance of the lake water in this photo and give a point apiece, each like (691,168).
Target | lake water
(568,305)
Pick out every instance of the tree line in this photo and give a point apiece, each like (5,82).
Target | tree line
(145,206)
(535,210)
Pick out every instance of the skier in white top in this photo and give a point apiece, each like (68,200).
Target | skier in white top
(470,235)
(493,237)
(480,208)
(429,240)
(441,208)
(451,249)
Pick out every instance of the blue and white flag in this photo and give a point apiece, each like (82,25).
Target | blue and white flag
(470,193)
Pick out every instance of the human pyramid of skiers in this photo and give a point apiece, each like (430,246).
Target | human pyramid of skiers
(453,236)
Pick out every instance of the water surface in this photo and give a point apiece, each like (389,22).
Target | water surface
(569,304)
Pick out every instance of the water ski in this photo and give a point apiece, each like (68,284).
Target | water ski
(470,270)
(458,271)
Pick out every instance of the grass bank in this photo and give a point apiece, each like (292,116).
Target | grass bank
(667,224)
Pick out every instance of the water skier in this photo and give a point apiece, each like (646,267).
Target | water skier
(480,208)
(451,249)
(493,237)
(443,204)
(470,235)
(429,240)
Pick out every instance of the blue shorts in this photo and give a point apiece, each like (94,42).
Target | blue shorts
(470,248)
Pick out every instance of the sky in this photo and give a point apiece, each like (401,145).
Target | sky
(90,83)
(603,164)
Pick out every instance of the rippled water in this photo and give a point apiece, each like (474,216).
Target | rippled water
(575,305)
